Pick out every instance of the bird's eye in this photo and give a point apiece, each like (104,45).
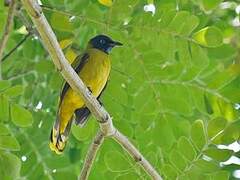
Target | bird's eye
(102,41)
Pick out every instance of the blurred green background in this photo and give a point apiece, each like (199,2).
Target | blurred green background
(174,90)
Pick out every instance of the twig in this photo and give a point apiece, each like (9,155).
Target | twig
(21,74)
(7,29)
(16,47)
(29,27)
(26,22)
(137,156)
(91,154)
(50,41)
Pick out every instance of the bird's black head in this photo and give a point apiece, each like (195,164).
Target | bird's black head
(104,43)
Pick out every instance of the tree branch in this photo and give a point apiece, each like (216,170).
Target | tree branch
(7,29)
(50,42)
(91,154)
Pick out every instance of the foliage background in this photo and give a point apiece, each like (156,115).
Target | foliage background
(174,90)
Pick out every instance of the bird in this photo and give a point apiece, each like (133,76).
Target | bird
(93,67)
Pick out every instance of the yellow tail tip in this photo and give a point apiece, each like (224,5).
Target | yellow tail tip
(57,142)
(55,149)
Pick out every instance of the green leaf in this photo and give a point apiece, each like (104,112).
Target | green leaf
(209,37)
(172,98)
(21,116)
(209,5)
(221,175)
(116,162)
(60,175)
(4,84)
(44,67)
(9,143)
(166,132)
(207,166)
(199,57)
(128,176)
(220,155)
(198,135)
(161,81)
(83,133)
(198,99)
(177,23)
(169,171)
(186,148)
(61,22)
(177,160)
(166,18)
(4,108)
(74,155)
(4,130)
(215,126)
(56,81)
(124,127)
(168,43)
(14,91)
(222,52)
(231,133)
(183,177)
(190,24)
(10,165)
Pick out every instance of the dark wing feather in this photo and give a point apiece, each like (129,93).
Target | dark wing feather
(82,114)
(77,65)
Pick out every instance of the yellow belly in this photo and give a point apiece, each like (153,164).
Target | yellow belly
(94,74)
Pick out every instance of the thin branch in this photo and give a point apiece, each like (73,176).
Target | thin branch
(26,22)
(29,27)
(21,74)
(15,48)
(7,29)
(105,121)
(91,154)
(137,156)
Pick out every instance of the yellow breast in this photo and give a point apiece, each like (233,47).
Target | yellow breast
(96,71)
(94,74)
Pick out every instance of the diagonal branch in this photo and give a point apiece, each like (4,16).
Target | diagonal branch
(8,26)
(91,154)
(105,121)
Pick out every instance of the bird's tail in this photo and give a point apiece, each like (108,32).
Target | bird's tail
(58,140)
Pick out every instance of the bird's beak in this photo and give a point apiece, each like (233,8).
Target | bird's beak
(116,43)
